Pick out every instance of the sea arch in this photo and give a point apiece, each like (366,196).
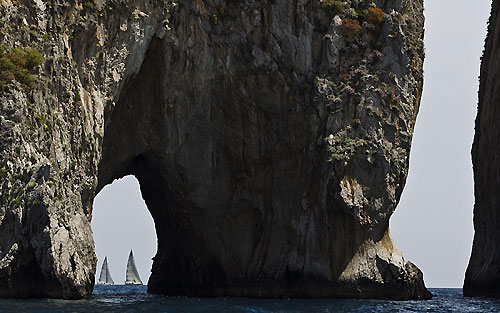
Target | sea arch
(266,175)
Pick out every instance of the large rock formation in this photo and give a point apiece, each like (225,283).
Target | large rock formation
(483,273)
(270,140)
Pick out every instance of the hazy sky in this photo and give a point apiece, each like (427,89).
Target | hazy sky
(122,222)
(432,225)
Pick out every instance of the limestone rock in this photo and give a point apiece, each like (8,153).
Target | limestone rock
(270,140)
(482,277)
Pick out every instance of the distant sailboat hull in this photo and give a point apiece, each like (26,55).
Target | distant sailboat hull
(132,275)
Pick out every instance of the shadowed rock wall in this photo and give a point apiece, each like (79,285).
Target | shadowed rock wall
(270,141)
(483,273)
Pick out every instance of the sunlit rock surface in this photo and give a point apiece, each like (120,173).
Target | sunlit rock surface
(270,139)
(483,273)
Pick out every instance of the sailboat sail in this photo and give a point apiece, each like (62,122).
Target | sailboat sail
(105,277)
(132,275)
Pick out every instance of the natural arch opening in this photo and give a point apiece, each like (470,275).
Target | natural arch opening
(137,133)
(122,222)
(161,134)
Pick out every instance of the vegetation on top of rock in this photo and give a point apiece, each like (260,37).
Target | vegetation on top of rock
(88,4)
(19,64)
(374,16)
(360,82)
(350,29)
(334,5)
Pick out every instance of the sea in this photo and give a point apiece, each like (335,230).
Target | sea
(123,299)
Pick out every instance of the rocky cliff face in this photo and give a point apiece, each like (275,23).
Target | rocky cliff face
(483,273)
(270,140)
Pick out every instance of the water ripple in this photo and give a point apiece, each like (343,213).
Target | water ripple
(135,299)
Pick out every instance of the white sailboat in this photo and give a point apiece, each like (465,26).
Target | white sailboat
(105,277)
(132,276)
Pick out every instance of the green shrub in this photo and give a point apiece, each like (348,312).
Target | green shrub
(33,59)
(334,5)
(76,97)
(374,16)
(19,64)
(89,4)
(16,57)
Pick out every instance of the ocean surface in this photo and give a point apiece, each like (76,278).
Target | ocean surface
(135,299)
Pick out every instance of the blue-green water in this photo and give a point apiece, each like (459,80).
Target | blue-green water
(135,299)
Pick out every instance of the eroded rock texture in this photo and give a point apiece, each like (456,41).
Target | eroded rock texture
(483,273)
(270,140)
